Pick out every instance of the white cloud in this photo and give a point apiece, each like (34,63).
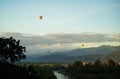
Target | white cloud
(57,42)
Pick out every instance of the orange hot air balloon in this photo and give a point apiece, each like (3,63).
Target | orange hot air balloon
(40,17)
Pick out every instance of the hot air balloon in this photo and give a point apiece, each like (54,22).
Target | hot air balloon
(83,45)
(40,17)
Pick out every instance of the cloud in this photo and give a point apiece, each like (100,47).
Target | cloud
(51,39)
(55,42)
(83,37)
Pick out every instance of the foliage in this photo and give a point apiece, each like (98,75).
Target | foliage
(11,50)
(11,71)
(98,70)
(98,62)
(110,62)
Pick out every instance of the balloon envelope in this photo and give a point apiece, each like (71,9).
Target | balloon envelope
(40,17)
(83,45)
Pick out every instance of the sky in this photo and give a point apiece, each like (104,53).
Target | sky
(60,16)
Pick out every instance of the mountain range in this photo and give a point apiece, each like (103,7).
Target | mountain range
(82,54)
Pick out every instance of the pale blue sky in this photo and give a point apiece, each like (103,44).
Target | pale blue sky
(60,16)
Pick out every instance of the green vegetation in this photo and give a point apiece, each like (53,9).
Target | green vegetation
(11,52)
(25,71)
(98,70)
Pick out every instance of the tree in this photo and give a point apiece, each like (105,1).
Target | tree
(77,64)
(98,62)
(77,67)
(110,62)
(11,50)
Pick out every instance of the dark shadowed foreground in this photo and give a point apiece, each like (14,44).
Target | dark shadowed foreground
(98,70)
(9,71)
(12,52)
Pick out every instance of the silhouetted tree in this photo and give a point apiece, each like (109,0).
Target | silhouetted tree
(77,67)
(110,62)
(11,50)
(77,64)
(98,62)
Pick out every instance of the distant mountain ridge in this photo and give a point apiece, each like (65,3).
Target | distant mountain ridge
(85,54)
(89,51)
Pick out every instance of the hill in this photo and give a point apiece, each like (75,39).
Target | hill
(85,54)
